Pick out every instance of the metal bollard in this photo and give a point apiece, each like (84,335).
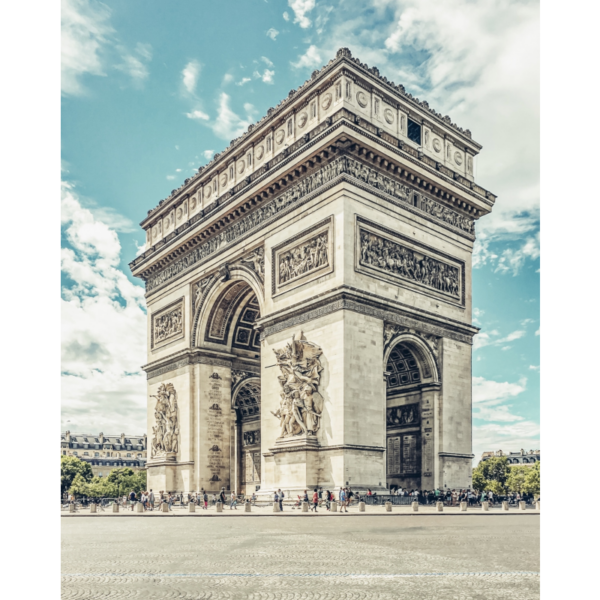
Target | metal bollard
(334,507)
(439,506)
(388,507)
(522,505)
(139,507)
(463,506)
(485,506)
(92,508)
(191,507)
(164,507)
(305,507)
(247,507)
(415,507)
(219,506)
(115,507)
(504,505)
(361,507)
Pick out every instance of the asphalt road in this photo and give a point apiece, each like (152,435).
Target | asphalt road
(288,558)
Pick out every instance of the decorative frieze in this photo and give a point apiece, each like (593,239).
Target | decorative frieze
(167,324)
(238,376)
(251,438)
(402,416)
(385,254)
(294,195)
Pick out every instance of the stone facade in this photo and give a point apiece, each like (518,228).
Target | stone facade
(106,452)
(309,298)
(527,458)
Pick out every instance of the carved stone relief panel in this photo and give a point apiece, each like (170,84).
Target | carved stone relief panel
(305,257)
(387,255)
(251,438)
(168,324)
(165,432)
(403,416)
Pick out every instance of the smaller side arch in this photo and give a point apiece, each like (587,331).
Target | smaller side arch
(422,352)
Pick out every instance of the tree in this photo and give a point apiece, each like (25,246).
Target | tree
(479,481)
(533,480)
(517,476)
(70,467)
(491,475)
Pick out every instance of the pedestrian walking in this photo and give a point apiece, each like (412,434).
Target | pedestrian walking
(233,503)
(132,498)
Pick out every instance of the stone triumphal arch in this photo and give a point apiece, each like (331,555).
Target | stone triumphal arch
(309,298)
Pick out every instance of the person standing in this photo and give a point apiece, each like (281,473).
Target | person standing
(281,497)
(315,500)
(276,498)
(233,503)
(205,498)
(170,501)
(151,499)
(131,498)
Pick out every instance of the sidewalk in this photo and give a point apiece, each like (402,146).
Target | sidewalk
(288,511)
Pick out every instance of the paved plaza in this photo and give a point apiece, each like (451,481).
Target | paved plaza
(468,556)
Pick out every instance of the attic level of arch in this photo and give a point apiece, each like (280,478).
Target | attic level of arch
(329,81)
(343,145)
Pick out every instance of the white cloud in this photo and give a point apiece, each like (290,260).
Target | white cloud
(136,64)
(537,332)
(103,328)
(286,16)
(85,31)
(534,368)
(310,59)
(197,115)
(208,154)
(243,81)
(266,61)
(227,78)
(189,76)
(510,437)
(489,399)
(511,260)
(272,33)
(484,338)
(300,8)
(170,177)
(265,77)
(228,124)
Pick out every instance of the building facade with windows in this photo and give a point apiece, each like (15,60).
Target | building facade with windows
(514,458)
(106,452)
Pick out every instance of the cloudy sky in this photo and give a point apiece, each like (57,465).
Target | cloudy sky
(150,92)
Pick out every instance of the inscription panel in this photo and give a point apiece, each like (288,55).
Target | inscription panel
(216,429)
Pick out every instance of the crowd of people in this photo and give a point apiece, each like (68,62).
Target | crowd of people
(317,498)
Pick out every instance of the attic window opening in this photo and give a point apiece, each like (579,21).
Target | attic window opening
(414,131)
(415,200)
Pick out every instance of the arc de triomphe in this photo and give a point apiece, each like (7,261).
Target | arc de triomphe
(309,298)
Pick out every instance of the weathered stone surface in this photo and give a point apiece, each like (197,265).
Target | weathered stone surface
(348,265)
(361,507)
(522,505)
(504,505)
(247,507)
(164,507)
(439,506)
(463,506)
(334,507)
(485,506)
(139,507)
(276,507)
(305,507)
(115,507)
(191,507)
(219,506)
(415,507)
(388,507)
(93,508)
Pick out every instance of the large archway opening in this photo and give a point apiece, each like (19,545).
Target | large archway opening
(408,402)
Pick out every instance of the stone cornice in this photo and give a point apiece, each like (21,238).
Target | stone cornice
(191,356)
(351,67)
(348,298)
(309,166)
(334,448)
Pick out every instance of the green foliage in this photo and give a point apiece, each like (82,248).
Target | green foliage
(491,475)
(517,476)
(479,481)
(533,480)
(118,483)
(496,487)
(70,467)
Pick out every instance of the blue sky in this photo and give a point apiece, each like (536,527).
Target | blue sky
(151,90)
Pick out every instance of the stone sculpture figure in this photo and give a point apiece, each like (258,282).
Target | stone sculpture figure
(301,404)
(165,435)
